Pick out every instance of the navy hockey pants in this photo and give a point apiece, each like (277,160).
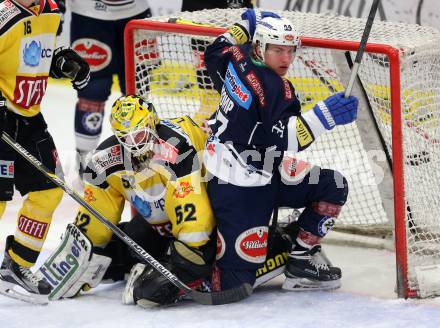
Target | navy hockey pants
(243,215)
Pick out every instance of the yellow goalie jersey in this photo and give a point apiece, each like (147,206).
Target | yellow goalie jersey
(169,193)
(27,41)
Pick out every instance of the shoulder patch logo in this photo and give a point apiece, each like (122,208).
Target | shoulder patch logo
(166,152)
(236,88)
(183,189)
(107,158)
(288,95)
(7,11)
(236,53)
(255,84)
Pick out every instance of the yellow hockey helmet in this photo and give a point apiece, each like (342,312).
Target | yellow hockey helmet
(133,121)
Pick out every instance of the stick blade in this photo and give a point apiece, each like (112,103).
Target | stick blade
(227,296)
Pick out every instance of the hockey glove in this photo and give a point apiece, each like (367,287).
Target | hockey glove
(336,110)
(3,109)
(244,30)
(62,8)
(67,63)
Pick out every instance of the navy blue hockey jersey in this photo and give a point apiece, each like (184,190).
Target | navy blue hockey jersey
(259,116)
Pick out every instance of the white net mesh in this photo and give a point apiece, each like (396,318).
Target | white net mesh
(169,71)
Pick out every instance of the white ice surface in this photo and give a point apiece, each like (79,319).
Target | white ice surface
(366,298)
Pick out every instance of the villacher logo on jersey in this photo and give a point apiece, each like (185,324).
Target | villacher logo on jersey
(97,54)
(251,245)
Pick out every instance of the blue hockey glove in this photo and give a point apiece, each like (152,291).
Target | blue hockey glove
(244,30)
(336,110)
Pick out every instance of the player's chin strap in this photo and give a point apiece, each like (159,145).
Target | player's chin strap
(72,267)
(215,298)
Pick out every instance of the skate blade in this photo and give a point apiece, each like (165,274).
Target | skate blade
(19,293)
(268,276)
(146,304)
(301,284)
(135,272)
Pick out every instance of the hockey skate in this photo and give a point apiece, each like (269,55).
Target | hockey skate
(20,283)
(310,269)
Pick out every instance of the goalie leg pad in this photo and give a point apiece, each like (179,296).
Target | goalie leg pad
(91,276)
(67,263)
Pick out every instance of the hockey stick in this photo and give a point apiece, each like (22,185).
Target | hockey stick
(215,298)
(361,49)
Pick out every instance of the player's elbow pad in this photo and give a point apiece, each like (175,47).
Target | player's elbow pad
(303,130)
(239,32)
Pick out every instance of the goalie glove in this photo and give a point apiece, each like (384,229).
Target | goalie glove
(91,277)
(67,63)
(336,110)
(147,287)
(243,31)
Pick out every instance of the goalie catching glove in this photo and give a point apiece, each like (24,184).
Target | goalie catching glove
(67,63)
(146,286)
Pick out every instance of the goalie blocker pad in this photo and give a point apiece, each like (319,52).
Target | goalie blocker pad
(72,265)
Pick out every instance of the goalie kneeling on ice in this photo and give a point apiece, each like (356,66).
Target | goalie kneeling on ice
(72,267)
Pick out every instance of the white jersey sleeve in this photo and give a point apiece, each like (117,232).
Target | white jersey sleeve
(108,9)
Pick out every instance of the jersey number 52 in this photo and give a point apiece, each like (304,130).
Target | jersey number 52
(185,213)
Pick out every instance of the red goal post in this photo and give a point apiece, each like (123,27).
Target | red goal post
(164,35)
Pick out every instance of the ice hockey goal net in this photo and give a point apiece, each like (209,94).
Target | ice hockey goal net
(400,77)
